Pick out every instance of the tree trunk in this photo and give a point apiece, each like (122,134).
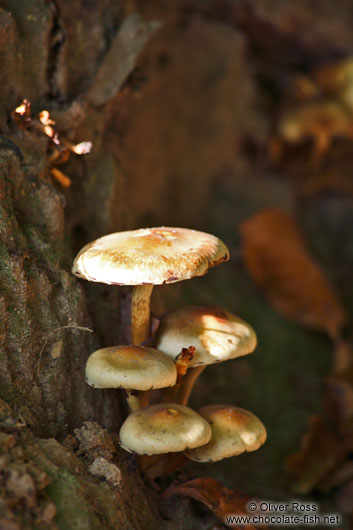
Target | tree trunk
(72,59)
(181,101)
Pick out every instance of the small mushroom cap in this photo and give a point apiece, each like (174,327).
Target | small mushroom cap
(163,428)
(149,256)
(132,367)
(234,431)
(216,334)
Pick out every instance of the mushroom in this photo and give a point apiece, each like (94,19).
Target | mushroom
(336,79)
(319,121)
(216,335)
(146,257)
(163,428)
(132,368)
(234,431)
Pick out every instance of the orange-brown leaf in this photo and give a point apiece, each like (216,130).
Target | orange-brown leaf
(320,453)
(221,500)
(183,360)
(277,260)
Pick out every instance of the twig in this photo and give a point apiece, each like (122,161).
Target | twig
(80,328)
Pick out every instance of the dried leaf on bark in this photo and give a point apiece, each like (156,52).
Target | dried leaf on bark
(221,500)
(278,261)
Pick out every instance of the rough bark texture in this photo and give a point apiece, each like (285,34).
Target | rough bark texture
(179,102)
(72,59)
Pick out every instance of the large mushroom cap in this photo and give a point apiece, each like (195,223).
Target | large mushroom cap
(234,431)
(163,428)
(149,256)
(131,367)
(216,334)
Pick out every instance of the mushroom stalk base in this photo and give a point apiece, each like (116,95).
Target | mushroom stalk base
(140,313)
(188,384)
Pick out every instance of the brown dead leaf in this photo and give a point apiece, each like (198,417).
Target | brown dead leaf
(339,401)
(343,357)
(321,450)
(320,463)
(277,260)
(182,361)
(345,498)
(339,396)
(342,475)
(221,500)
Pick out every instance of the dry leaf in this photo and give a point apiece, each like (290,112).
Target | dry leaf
(221,500)
(345,498)
(183,360)
(339,401)
(277,260)
(320,463)
(342,475)
(320,452)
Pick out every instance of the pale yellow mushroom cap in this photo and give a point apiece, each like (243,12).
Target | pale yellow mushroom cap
(163,428)
(216,334)
(234,431)
(130,367)
(149,256)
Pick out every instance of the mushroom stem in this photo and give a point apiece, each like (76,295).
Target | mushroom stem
(188,384)
(132,401)
(140,327)
(144,398)
(170,394)
(140,313)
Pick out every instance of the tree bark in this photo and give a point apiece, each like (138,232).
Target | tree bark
(58,467)
(181,120)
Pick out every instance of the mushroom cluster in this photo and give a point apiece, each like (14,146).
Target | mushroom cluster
(154,256)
